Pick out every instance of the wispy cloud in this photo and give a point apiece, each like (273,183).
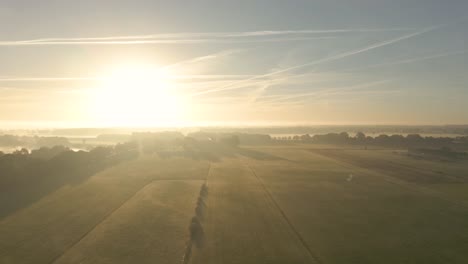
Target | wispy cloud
(199,37)
(410,60)
(191,78)
(335,91)
(47,79)
(204,58)
(155,41)
(238,84)
(334,96)
(190,36)
(288,32)
(191,61)
(213,77)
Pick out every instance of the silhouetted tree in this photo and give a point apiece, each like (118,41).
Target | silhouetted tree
(306,137)
(414,139)
(360,137)
(22,151)
(46,153)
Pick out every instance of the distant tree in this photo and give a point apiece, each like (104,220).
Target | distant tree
(22,151)
(46,153)
(382,139)
(253,139)
(360,137)
(397,140)
(100,152)
(306,137)
(344,137)
(414,139)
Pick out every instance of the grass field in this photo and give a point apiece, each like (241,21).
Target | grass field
(243,224)
(372,218)
(64,224)
(155,219)
(265,204)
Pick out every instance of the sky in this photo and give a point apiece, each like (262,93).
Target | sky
(84,63)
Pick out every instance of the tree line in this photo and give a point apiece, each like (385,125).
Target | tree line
(410,140)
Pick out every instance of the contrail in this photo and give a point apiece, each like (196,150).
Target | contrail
(202,58)
(327,59)
(65,79)
(300,101)
(155,41)
(333,90)
(174,65)
(411,60)
(47,79)
(285,32)
(221,77)
(187,36)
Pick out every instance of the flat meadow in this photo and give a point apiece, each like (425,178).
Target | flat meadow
(294,203)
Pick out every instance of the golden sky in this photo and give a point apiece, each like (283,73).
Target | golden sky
(173,63)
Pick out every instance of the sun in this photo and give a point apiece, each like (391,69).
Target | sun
(137,95)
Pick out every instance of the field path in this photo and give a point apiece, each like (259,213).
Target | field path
(286,218)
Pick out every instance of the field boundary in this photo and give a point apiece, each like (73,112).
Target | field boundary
(195,225)
(404,184)
(112,212)
(101,221)
(283,214)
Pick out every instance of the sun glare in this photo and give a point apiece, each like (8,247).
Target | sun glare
(137,95)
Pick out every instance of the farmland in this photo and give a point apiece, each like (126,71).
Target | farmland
(295,203)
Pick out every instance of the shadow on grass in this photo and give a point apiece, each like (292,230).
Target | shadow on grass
(257,155)
(215,152)
(24,179)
